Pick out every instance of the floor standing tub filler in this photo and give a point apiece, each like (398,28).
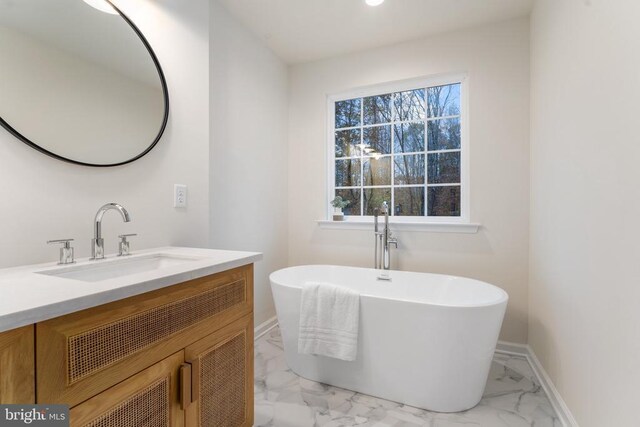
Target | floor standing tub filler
(425,340)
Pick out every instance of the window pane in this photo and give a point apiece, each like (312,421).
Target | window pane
(443,100)
(347,173)
(378,138)
(409,105)
(347,143)
(444,134)
(443,201)
(409,169)
(409,137)
(409,201)
(353,196)
(377,109)
(348,113)
(377,171)
(444,168)
(373,198)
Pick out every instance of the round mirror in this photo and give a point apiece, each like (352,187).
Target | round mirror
(79,81)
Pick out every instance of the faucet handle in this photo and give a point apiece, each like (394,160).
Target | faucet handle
(66,251)
(124,247)
(65,241)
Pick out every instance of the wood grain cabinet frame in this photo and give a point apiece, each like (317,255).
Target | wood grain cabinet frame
(83,354)
(17,367)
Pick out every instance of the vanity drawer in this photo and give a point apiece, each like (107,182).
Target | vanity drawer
(84,353)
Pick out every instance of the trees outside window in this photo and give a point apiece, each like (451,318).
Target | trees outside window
(401,147)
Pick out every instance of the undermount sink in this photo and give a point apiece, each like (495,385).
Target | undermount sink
(96,271)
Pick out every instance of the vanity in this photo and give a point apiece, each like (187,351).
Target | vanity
(163,338)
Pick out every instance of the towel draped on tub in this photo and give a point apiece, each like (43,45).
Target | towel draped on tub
(329,317)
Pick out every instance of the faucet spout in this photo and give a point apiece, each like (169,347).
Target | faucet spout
(113,206)
(97,244)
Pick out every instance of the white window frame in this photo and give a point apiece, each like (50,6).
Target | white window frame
(460,223)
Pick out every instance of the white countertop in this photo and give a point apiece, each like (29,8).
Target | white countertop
(28,297)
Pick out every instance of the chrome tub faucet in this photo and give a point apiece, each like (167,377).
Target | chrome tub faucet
(384,239)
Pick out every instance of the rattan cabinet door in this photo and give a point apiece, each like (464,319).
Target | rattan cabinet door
(148,399)
(222,377)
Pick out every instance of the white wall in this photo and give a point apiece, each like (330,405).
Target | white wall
(584,289)
(43,198)
(496,59)
(248,150)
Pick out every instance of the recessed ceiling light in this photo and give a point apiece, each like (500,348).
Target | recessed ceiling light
(374,2)
(102,5)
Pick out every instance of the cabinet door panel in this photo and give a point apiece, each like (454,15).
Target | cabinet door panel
(148,399)
(222,382)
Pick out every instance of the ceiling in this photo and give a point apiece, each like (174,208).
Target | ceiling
(307,30)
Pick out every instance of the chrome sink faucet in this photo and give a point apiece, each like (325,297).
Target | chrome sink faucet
(97,244)
(384,239)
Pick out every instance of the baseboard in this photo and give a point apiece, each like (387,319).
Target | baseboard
(558,403)
(512,348)
(265,327)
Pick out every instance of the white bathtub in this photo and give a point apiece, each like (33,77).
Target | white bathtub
(426,340)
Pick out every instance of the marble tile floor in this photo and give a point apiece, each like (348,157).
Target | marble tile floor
(513,398)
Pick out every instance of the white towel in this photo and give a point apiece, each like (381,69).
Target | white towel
(329,321)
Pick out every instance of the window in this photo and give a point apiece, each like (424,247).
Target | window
(403,144)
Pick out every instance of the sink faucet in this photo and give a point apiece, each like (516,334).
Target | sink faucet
(384,239)
(97,244)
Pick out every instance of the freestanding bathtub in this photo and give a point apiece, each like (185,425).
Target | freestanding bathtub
(425,340)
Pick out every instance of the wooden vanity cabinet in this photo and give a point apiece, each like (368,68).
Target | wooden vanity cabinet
(89,351)
(178,356)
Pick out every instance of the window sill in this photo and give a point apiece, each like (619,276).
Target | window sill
(434,227)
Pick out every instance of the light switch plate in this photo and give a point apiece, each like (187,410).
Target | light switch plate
(179,196)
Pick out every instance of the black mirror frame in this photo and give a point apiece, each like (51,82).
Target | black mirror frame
(165,92)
